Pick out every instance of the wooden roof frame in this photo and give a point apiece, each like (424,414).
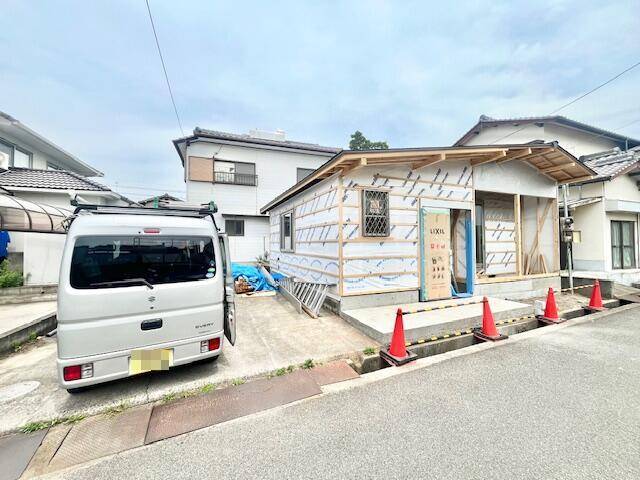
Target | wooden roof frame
(549,159)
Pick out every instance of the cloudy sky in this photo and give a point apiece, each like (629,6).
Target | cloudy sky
(86,74)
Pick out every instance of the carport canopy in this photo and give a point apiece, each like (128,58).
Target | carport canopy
(20,215)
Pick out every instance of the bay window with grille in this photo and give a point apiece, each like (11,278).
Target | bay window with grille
(623,250)
(375,213)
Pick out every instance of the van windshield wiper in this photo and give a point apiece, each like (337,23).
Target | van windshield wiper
(128,281)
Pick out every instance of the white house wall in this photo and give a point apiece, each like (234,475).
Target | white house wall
(574,141)
(514,178)
(315,255)
(254,242)
(39,159)
(589,254)
(373,265)
(275,169)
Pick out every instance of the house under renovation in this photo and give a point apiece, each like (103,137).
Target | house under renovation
(405,225)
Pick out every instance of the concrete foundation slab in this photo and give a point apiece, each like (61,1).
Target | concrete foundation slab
(378,322)
(223,405)
(16,452)
(102,435)
(333,372)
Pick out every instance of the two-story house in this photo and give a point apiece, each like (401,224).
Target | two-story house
(38,181)
(606,209)
(242,172)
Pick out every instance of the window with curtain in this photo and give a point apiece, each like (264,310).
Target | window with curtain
(623,250)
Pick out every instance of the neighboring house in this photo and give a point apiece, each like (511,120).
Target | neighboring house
(164,200)
(606,211)
(392,224)
(575,137)
(34,171)
(242,172)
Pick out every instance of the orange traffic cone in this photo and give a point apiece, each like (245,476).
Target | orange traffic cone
(595,302)
(550,309)
(489,330)
(397,353)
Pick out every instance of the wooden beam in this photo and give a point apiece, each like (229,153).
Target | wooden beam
(557,168)
(492,158)
(518,154)
(432,161)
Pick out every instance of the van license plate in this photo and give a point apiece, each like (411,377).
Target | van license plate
(148,360)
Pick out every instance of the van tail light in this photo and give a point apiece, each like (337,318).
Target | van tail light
(77,372)
(209,345)
(151,230)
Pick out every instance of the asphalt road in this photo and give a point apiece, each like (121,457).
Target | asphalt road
(564,405)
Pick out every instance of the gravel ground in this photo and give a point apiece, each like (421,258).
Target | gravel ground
(563,405)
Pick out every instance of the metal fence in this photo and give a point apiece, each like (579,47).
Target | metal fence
(235,178)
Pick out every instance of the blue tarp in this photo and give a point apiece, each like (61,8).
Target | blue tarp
(253,275)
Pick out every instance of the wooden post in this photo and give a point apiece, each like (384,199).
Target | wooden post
(340,225)
(518,233)
(556,237)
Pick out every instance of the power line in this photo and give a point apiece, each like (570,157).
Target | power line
(575,100)
(164,68)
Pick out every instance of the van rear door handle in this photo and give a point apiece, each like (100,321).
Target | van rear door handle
(151,324)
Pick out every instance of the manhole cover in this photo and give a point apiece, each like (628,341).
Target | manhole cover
(17,390)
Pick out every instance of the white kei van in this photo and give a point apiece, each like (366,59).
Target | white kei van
(141,283)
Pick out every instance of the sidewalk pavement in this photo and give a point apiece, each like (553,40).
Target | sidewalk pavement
(30,455)
(271,335)
(17,321)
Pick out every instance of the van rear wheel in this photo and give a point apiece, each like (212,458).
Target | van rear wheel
(209,359)
(73,391)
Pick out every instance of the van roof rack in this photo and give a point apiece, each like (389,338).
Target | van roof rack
(175,211)
(167,211)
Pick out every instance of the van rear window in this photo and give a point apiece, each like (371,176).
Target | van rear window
(121,261)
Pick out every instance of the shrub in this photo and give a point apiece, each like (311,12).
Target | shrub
(8,277)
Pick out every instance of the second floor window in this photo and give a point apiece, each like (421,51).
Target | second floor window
(238,173)
(13,156)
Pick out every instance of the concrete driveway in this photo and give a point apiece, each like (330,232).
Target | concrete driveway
(271,334)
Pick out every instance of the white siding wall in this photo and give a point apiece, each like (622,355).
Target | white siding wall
(40,158)
(589,254)
(513,177)
(315,255)
(255,241)
(276,171)
(576,142)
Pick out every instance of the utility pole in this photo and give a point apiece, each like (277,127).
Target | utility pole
(564,237)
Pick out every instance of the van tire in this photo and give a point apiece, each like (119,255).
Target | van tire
(74,391)
(209,359)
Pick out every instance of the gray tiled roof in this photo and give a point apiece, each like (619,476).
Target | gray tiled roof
(557,119)
(48,179)
(612,162)
(236,137)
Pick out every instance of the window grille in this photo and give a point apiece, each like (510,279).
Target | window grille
(375,213)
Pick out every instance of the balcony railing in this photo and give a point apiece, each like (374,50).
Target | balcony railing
(235,178)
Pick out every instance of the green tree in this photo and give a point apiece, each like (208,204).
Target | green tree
(360,142)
